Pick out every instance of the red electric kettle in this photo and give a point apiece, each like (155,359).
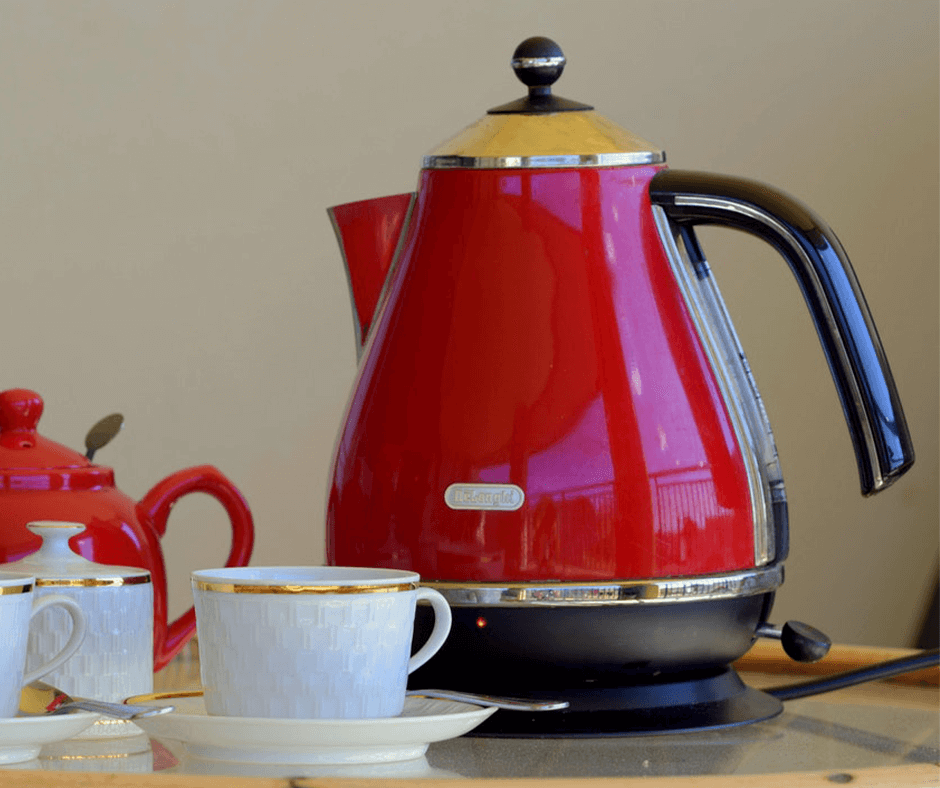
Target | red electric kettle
(553,421)
(43,480)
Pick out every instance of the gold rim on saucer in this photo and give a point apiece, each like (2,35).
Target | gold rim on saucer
(150,697)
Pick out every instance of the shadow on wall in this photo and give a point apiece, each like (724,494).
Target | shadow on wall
(929,634)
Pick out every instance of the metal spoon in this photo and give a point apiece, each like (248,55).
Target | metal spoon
(102,432)
(515,704)
(38,698)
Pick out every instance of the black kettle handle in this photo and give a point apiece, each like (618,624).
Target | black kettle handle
(876,422)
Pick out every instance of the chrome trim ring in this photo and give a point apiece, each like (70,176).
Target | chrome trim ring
(538,62)
(625,159)
(629,592)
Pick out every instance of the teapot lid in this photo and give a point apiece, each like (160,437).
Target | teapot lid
(542,130)
(28,461)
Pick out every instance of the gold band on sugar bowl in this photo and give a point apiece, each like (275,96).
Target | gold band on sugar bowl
(299,588)
(22,588)
(86,582)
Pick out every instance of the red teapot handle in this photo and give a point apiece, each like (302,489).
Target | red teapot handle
(154,508)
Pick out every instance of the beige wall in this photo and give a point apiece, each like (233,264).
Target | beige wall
(165,166)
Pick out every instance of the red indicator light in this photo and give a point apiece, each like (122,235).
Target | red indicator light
(481,622)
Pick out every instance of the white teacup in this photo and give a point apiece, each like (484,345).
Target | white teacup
(310,642)
(18,605)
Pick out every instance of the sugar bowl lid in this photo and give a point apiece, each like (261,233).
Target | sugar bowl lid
(55,563)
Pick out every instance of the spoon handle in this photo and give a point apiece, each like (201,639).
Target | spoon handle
(515,704)
(116,710)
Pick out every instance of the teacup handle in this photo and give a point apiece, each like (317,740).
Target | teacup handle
(442,621)
(74,641)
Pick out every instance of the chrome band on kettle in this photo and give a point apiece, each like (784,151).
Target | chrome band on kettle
(628,592)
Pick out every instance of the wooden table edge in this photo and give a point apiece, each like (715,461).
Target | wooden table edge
(767,656)
(910,776)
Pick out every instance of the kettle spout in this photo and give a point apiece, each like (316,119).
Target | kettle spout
(369,234)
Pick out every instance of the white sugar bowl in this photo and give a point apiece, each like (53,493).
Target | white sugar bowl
(115,660)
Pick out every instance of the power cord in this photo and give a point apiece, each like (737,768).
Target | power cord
(883,670)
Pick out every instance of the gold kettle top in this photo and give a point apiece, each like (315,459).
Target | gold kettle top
(542,130)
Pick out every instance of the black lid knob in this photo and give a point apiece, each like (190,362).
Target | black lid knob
(538,63)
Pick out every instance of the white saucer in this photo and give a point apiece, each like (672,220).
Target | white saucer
(21,738)
(280,741)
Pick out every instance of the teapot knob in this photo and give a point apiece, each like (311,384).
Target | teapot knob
(20,410)
(538,63)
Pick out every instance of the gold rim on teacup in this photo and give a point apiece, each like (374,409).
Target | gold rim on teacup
(299,588)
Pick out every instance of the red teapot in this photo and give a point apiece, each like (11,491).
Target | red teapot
(44,480)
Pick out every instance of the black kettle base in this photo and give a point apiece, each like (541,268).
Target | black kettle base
(626,670)
(682,705)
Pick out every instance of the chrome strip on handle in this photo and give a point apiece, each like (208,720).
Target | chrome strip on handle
(860,370)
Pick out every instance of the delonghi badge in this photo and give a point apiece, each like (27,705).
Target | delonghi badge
(492,497)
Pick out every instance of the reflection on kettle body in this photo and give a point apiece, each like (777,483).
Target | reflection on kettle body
(523,363)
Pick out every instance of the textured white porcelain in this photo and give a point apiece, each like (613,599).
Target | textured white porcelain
(321,742)
(310,642)
(19,604)
(115,660)
(21,738)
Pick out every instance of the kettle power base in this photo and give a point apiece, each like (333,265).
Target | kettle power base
(682,706)
(626,670)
